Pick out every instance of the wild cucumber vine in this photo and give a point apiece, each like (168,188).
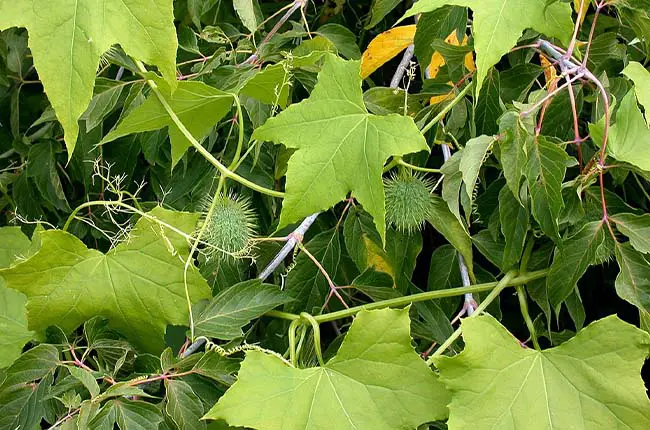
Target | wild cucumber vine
(133,280)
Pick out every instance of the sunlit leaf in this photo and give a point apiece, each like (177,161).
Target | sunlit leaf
(333,130)
(497,383)
(375,381)
(68,38)
(138,303)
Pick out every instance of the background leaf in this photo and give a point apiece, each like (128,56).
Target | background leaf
(67,41)
(235,307)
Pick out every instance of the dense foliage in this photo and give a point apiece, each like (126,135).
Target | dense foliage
(374,214)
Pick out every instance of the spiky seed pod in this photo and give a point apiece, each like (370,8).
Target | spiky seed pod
(408,200)
(230,227)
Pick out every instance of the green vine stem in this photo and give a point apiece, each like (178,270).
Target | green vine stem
(189,260)
(206,154)
(459,97)
(120,204)
(523,297)
(521,279)
(401,162)
(501,285)
(314,325)
(523,304)
(292,340)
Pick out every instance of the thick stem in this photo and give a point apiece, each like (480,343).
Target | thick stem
(503,283)
(189,261)
(430,295)
(297,4)
(459,97)
(401,162)
(294,238)
(403,66)
(523,305)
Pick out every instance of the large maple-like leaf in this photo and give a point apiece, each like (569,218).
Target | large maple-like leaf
(592,381)
(341,148)
(138,285)
(498,24)
(376,381)
(67,38)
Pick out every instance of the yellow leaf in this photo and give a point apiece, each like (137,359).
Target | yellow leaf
(437,61)
(576,6)
(550,74)
(384,47)
(377,258)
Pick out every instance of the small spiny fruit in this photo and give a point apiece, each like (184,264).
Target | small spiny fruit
(230,227)
(408,200)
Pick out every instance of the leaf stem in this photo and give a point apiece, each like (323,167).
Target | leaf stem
(195,245)
(208,156)
(500,286)
(523,305)
(459,97)
(430,295)
(401,162)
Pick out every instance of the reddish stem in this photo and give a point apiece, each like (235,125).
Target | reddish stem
(576,127)
(599,6)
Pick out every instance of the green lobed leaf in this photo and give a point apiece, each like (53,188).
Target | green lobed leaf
(270,86)
(42,168)
(13,318)
(344,40)
(378,10)
(574,255)
(641,78)
(496,383)
(376,381)
(198,106)
(341,148)
(498,24)
(633,280)
(235,307)
(545,172)
(517,134)
(249,13)
(138,285)
(183,405)
(305,282)
(67,39)
(514,226)
(489,106)
(86,378)
(629,137)
(636,228)
(449,226)
(25,385)
(127,414)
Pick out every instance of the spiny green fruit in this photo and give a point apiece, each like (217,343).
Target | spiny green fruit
(230,227)
(408,199)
